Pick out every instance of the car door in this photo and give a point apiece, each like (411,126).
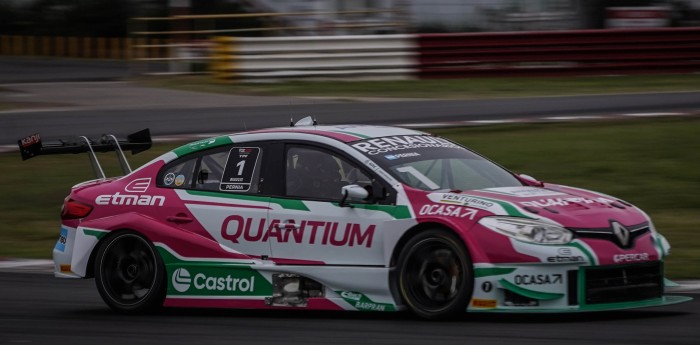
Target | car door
(222,196)
(319,228)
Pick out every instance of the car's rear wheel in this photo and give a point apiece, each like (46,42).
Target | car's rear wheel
(129,273)
(435,275)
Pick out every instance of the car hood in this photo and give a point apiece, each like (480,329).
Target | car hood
(567,206)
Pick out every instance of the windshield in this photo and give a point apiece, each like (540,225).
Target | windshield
(433,163)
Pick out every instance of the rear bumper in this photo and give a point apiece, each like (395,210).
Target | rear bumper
(63,253)
(72,252)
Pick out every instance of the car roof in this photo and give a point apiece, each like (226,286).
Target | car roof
(343,133)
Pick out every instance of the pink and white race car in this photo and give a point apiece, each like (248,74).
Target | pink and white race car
(348,218)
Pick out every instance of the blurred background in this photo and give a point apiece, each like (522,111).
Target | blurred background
(180,32)
(108,18)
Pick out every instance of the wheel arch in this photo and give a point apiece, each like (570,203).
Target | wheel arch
(90,269)
(422,227)
(393,271)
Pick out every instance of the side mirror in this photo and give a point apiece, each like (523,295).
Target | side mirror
(530,181)
(353,192)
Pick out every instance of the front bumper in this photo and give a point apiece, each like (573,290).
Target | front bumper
(569,288)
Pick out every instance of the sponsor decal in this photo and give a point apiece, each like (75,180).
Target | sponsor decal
(632,257)
(138,185)
(537,279)
(565,259)
(370,306)
(130,200)
(351,295)
(398,143)
(201,143)
(401,155)
(30,140)
(169,179)
(565,255)
(486,286)
(180,180)
(362,302)
(483,303)
(565,202)
(228,283)
(212,281)
(236,229)
(62,239)
(181,280)
(447,210)
(522,192)
(466,200)
(65,268)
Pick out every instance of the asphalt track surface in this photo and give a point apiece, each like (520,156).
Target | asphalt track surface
(83,108)
(172,121)
(26,70)
(40,309)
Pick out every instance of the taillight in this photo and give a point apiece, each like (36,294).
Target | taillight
(74,209)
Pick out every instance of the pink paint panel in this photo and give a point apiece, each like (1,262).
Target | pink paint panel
(183,242)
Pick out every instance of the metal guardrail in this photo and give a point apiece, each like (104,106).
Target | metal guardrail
(189,35)
(583,52)
(83,47)
(461,55)
(552,53)
(272,58)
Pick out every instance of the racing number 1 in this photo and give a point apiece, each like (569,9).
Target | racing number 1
(240,166)
(239,170)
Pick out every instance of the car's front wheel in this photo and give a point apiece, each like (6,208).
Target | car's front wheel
(435,274)
(129,273)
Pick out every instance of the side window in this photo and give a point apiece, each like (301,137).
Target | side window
(319,174)
(210,171)
(234,169)
(178,175)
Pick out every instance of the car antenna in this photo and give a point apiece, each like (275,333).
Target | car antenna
(291,121)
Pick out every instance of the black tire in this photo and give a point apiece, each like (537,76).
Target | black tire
(129,274)
(435,275)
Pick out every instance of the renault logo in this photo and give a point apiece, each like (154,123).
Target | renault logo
(622,233)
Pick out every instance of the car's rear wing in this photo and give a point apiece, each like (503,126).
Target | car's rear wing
(140,141)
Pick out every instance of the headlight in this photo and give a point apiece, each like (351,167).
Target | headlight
(528,230)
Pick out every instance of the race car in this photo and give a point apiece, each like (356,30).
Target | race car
(348,217)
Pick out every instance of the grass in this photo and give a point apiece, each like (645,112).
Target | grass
(443,88)
(653,163)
